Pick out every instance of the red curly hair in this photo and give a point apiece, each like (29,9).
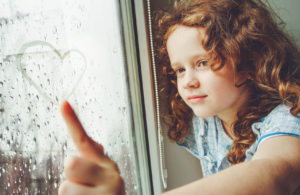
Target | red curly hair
(247,35)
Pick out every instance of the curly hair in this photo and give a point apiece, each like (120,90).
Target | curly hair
(249,36)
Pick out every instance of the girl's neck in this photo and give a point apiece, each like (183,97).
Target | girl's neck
(229,117)
(228,128)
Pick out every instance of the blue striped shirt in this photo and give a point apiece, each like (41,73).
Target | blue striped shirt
(208,141)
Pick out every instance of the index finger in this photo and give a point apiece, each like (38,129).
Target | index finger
(86,146)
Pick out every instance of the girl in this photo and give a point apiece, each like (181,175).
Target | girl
(234,87)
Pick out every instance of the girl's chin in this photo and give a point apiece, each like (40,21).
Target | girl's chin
(203,113)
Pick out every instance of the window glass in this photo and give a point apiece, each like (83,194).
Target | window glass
(51,50)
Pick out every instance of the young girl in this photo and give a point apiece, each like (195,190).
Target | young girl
(234,87)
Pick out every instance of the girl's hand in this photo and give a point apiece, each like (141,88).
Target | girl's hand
(94,172)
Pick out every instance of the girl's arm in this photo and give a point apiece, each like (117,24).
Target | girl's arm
(274,169)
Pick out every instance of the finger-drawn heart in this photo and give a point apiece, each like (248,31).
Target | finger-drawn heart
(54,75)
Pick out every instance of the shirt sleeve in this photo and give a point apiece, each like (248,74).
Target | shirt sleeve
(279,122)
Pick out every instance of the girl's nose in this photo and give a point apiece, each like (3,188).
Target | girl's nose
(192,82)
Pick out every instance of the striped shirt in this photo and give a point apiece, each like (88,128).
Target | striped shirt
(208,141)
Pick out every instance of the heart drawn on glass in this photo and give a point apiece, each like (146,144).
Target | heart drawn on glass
(54,75)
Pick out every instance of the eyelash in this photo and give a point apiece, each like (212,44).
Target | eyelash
(204,62)
(179,70)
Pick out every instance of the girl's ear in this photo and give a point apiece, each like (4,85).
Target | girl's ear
(243,78)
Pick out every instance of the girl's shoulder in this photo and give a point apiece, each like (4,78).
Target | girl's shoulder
(281,111)
(278,122)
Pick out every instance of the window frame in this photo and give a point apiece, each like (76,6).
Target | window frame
(141,94)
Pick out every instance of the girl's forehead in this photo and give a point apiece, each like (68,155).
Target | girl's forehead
(185,42)
(185,35)
(179,28)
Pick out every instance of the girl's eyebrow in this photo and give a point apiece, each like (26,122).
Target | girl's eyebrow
(175,64)
(199,56)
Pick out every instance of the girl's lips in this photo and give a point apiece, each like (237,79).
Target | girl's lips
(197,98)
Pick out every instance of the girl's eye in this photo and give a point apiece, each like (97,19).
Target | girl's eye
(179,71)
(201,63)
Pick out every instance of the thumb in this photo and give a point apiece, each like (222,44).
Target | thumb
(86,146)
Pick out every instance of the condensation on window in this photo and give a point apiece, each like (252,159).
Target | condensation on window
(51,50)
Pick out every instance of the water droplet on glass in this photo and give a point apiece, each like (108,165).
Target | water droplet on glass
(55,30)
(65,147)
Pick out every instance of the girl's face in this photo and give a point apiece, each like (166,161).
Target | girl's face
(205,91)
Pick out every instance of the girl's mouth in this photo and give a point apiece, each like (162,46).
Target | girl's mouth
(196,98)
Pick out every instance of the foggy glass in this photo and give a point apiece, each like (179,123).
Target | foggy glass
(51,50)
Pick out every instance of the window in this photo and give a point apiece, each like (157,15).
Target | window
(75,50)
